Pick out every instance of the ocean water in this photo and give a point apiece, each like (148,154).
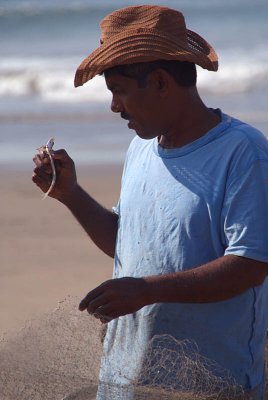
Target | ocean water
(42,43)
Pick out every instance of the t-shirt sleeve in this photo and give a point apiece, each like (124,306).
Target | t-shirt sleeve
(245,213)
(116,208)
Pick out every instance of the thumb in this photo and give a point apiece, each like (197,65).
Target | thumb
(64,158)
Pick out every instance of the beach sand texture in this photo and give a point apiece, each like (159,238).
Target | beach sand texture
(45,257)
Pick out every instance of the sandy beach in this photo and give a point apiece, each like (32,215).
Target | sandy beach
(45,255)
(47,265)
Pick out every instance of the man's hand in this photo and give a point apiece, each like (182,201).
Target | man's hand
(219,280)
(66,181)
(99,223)
(114,298)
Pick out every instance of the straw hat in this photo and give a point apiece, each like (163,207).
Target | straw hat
(145,33)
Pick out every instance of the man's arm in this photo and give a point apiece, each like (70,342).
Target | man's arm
(218,280)
(99,223)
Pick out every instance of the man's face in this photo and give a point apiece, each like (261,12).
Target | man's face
(140,106)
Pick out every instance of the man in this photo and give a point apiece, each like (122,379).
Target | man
(189,234)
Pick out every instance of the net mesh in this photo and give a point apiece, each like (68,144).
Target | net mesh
(57,356)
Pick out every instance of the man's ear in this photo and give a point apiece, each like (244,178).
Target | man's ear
(160,81)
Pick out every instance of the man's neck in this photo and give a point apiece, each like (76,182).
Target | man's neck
(191,124)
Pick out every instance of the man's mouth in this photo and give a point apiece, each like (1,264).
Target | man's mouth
(125,116)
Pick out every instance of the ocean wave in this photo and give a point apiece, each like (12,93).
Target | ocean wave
(235,78)
(51,80)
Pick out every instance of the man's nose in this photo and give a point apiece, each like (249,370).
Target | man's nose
(115,106)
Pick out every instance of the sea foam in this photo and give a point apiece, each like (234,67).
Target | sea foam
(51,80)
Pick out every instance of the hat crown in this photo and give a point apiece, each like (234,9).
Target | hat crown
(139,34)
(138,18)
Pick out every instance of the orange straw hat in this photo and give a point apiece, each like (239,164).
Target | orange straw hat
(142,34)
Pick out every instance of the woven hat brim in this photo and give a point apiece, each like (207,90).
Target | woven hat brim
(146,46)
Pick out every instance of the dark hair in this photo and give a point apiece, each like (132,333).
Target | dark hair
(183,72)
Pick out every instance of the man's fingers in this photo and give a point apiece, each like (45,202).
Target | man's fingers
(40,182)
(95,304)
(104,313)
(43,170)
(37,160)
(41,176)
(41,159)
(42,164)
(61,156)
(90,297)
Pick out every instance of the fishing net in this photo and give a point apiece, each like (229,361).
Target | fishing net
(51,356)
(57,356)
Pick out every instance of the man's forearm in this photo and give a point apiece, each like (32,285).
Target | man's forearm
(99,223)
(218,280)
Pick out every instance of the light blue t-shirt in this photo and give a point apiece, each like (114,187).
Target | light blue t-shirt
(181,208)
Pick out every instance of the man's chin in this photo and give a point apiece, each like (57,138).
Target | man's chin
(141,133)
(131,125)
